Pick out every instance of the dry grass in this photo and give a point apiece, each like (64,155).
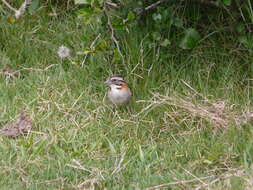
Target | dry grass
(194,106)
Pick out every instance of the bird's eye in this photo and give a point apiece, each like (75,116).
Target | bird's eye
(113,80)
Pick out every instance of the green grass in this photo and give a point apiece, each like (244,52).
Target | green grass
(78,138)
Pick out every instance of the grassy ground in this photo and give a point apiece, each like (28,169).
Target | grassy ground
(189,127)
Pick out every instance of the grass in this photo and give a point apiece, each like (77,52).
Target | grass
(171,139)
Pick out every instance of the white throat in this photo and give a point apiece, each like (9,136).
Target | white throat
(119,95)
(114,87)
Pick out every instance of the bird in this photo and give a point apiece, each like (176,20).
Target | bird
(119,92)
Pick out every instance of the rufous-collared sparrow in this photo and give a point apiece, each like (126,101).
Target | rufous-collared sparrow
(118,93)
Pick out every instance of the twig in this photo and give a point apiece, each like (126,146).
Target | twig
(79,166)
(149,107)
(18,12)
(112,5)
(91,181)
(52,181)
(197,178)
(113,33)
(199,94)
(157,3)
(177,182)
(9,6)
(91,47)
(154,5)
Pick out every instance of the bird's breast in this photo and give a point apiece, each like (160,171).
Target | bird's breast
(119,96)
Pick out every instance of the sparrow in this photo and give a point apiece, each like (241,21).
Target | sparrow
(118,93)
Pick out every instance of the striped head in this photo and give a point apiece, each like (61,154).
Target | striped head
(115,80)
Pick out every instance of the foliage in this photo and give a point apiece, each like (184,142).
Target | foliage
(170,20)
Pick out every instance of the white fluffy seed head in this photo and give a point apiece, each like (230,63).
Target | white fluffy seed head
(63,52)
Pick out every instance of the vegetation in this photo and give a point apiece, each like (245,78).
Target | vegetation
(189,125)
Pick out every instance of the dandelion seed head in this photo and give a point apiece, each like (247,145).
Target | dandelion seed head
(63,52)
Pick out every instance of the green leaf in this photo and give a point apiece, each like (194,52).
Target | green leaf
(165,43)
(85,11)
(227,2)
(142,158)
(102,45)
(156,36)
(190,39)
(97,10)
(96,3)
(11,20)
(34,5)
(131,16)
(87,52)
(243,39)
(157,17)
(116,56)
(87,14)
(166,14)
(247,41)
(240,28)
(118,23)
(178,22)
(78,2)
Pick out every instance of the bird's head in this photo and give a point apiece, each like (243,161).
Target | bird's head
(115,80)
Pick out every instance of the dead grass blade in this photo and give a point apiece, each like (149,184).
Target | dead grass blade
(177,183)
(89,184)
(210,182)
(219,113)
